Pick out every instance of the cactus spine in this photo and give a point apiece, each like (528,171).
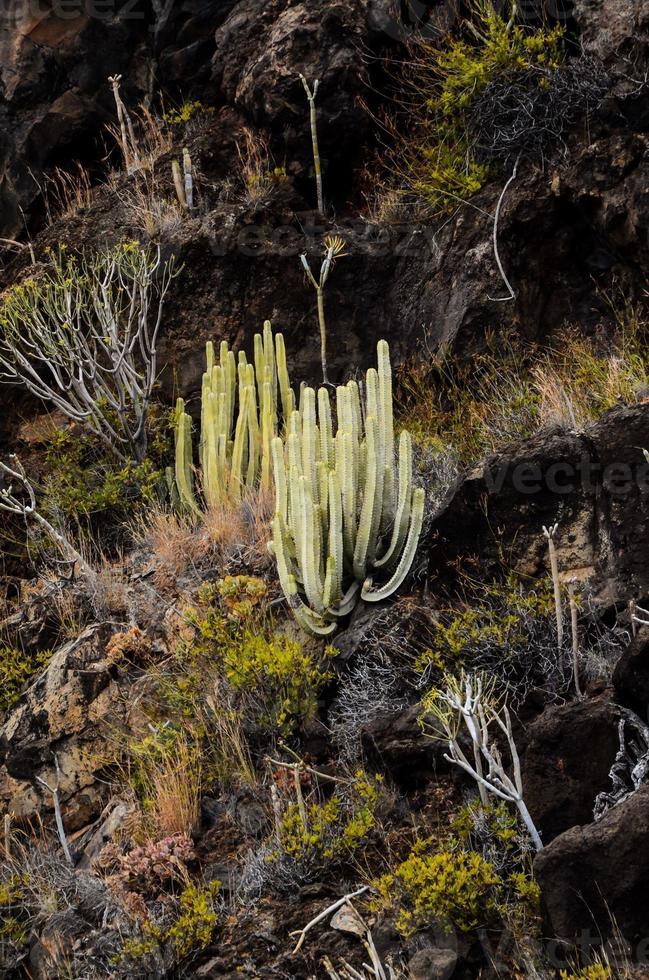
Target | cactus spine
(337,522)
(239,419)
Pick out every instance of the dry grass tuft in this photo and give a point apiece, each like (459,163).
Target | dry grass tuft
(67,193)
(512,392)
(176,543)
(146,209)
(233,535)
(231,761)
(174,789)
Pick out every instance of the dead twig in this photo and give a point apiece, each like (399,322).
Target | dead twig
(323,915)
(54,790)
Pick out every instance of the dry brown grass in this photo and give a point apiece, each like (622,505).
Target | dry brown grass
(254,157)
(67,192)
(175,542)
(512,392)
(111,589)
(174,789)
(152,134)
(234,534)
(231,762)
(146,209)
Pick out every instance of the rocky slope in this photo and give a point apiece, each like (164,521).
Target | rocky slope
(572,227)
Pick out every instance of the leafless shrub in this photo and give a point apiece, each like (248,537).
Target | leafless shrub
(150,134)
(371,690)
(631,766)
(530,113)
(265,871)
(83,337)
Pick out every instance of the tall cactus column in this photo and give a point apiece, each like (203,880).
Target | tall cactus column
(337,523)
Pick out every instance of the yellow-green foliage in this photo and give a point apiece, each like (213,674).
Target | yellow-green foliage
(241,594)
(526,891)
(455,887)
(596,971)
(191,930)
(81,481)
(500,619)
(277,678)
(335,828)
(266,178)
(14,927)
(510,391)
(197,919)
(500,822)
(439,164)
(17,669)
(282,672)
(185,113)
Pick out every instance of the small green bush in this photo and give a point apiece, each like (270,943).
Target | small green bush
(82,483)
(17,669)
(500,620)
(454,887)
(190,932)
(185,113)
(596,971)
(335,828)
(438,161)
(277,678)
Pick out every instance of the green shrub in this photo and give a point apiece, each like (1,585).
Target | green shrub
(277,678)
(82,483)
(17,669)
(336,828)
(454,887)
(502,620)
(191,931)
(596,971)
(185,113)
(14,918)
(197,919)
(438,161)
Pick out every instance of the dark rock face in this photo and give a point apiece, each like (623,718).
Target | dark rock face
(594,485)
(569,751)
(613,30)
(594,879)
(563,231)
(64,716)
(631,676)
(262,48)
(397,743)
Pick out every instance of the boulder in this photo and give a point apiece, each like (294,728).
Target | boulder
(594,484)
(566,761)
(631,674)
(66,716)
(263,47)
(593,879)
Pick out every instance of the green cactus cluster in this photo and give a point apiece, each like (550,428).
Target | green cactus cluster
(345,507)
(240,407)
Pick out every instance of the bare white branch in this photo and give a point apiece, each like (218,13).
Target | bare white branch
(83,337)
